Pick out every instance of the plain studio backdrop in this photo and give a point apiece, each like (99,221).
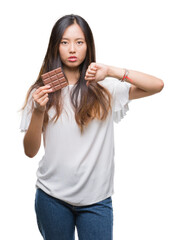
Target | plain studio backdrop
(140,35)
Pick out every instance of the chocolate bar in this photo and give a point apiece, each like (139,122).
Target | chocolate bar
(55,79)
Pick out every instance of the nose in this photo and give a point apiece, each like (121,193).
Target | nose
(72,48)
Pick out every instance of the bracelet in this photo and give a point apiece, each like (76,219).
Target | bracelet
(125,76)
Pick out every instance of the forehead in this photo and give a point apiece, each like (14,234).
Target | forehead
(74,31)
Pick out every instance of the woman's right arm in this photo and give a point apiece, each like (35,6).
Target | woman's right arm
(32,138)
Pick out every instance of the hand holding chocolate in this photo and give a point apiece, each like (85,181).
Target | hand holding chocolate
(55,79)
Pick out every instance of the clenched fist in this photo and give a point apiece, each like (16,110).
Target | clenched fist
(96,72)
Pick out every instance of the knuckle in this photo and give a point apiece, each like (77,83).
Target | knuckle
(34,97)
(44,91)
(92,64)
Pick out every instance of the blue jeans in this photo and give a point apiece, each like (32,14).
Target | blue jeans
(57,219)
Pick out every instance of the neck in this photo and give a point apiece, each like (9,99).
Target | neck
(72,74)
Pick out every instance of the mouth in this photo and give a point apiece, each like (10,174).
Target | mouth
(72,59)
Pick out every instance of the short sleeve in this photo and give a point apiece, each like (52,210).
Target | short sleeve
(120,97)
(26,114)
(120,100)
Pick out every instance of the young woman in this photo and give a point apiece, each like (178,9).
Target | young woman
(75,176)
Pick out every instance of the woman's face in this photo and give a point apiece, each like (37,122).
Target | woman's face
(73,47)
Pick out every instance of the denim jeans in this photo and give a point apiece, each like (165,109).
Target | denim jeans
(57,219)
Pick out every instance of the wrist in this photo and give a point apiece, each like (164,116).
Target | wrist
(39,108)
(115,72)
(38,111)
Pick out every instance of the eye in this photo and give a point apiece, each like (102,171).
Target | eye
(79,42)
(64,42)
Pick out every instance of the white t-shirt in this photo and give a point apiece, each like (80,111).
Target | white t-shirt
(79,169)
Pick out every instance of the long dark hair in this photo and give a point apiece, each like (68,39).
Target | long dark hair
(95,100)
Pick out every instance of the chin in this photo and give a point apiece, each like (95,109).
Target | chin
(73,64)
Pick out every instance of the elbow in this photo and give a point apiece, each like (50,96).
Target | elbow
(30,148)
(29,151)
(160,85)
(30,155)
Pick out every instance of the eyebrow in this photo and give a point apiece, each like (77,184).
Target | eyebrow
(75,39)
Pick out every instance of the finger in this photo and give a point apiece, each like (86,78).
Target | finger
(90,71)
(90,76)
(93,66)
(38,97)
(40,100)
(44,101)
(45,88)
(42,92)
(41,103)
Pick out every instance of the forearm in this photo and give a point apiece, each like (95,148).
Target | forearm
(32,139)
(141,80)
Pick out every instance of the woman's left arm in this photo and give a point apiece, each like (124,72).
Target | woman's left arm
(142,84)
